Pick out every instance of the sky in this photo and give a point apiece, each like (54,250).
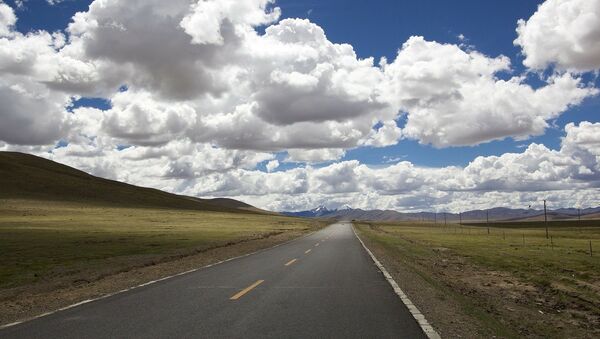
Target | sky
(287,105)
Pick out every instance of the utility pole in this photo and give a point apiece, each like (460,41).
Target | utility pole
(435,217)
(579,214)
(460,218)
(445,213)
(545,219)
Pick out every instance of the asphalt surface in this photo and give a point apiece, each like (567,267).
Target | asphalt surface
(331,290)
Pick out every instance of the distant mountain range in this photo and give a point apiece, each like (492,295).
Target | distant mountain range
(494,214)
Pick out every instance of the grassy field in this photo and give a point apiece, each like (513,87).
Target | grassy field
(41,240)
(513,280)
(553,224)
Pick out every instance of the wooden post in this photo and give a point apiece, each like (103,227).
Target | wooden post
(503,235)
(523,239)
(551,242)
(591,253)
(545,219)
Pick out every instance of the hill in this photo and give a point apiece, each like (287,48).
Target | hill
(25,176)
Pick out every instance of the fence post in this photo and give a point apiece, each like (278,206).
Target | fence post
(591,253)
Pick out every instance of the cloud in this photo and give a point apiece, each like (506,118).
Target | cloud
(272,165)
(388,134)
(308,78)
(206,19)
(315,156)
(250,91)
(136,118)
(201,72)
(200,98)
(7,19)
(455,98)
(569,176)
(563,33)
(31,112)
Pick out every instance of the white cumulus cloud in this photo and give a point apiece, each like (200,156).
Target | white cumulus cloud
(203,93)
(454,97)
(565,33)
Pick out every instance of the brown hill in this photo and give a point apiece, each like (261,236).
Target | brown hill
(25,176)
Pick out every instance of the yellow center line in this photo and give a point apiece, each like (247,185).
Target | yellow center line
(246,290)
(290,262)
(307,251)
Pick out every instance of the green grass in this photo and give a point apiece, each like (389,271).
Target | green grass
(562,266)
(521,250)
(58,222)
(41,240)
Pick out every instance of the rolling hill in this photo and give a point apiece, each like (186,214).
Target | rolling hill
(25,176)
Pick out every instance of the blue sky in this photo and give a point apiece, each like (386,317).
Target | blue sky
(378,30)
(227,98)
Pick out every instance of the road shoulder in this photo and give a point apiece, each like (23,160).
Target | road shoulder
(429,331)
(444,313)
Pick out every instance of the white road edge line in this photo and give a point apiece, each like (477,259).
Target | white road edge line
(419,317)
(153,281)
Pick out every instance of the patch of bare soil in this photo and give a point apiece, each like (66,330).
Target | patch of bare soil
(464,300)
(27,301)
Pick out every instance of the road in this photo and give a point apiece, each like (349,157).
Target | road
(323,285)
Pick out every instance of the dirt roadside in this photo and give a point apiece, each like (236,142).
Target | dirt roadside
(28,301)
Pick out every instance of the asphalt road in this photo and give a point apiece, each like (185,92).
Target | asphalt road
(321,286)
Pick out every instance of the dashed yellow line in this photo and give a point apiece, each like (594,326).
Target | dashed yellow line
(291,262)
(307,251)
(246,290)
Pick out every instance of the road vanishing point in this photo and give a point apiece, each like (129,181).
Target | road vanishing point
(324,285)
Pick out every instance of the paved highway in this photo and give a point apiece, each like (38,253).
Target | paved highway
(321,286)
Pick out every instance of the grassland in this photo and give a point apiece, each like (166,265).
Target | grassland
(40,240)
(512,282)
(66,235)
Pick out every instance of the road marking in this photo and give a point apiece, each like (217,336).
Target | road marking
(246,290)
(307,251)
(291,262)
(317,244)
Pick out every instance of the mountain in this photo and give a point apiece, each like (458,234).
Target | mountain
(25,176)
(492,214)
(320,211)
